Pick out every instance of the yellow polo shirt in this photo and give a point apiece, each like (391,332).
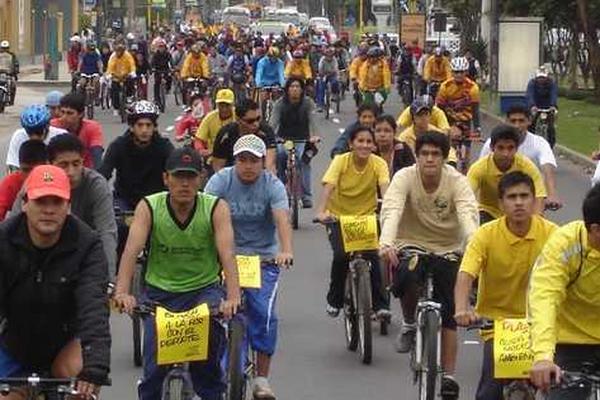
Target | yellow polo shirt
(210,126)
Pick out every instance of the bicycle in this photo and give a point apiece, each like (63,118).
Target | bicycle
(105,93)
(357,299)
(405,89)
(194,87)
(90,91)
(433,88)
(160,78)
(589,377)
(462,145)
(373,96)
(426,353)
(292,178)
(177,384)
(542,119)
(328,98)
(343,83)
(271,94)
(40,388)
(125,218)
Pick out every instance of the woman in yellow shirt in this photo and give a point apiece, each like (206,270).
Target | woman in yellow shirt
(350,187)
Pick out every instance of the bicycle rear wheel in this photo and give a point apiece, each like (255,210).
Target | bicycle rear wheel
(162,95)
(350,327)
(363,315)
(293,195)
(236,377)
(327,104)
(429,373)
(136,321)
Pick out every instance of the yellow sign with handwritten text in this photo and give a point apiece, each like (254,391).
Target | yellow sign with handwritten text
(182,336)
(359,232)
(512,350)
(249,271)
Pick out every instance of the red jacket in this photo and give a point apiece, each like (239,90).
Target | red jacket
(10,187)
(73,59)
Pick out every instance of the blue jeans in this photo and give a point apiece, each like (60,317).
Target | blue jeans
(207,376)
(303,168)
(321,84)
(9,367)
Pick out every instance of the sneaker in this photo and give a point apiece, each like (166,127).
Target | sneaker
(450,389)
(333,312)
(383,314)
(307,203)
(406,338)
(262,390)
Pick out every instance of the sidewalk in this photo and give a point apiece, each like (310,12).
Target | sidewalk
(33,75)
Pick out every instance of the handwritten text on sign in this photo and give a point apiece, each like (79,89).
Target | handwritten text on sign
(359,232)
(249,271)
(512,351)
(182,337)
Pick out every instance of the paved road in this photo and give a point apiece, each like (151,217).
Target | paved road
(311,362)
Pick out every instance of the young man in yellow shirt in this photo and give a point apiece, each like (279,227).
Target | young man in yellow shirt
(501,255)
(564,302)
(438,117)
(484,175)
(216,119)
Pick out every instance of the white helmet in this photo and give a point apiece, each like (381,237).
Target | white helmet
(130,36)
(4,44)
(75,39)
(542,72)
(459,64)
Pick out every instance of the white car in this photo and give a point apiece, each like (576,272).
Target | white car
(270,27)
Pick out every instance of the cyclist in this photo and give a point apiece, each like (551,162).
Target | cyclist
(53,103)
(474,70)
(542,93)
(405,71)
(61,329)
(88,131)
(161,64)
(138,157)
(350,187)
(196,66)
(485,173)
(437,69)
(248,121)
(366,115)
(259,209)
(210,126)
(328,73)
(35,122)
(31,154)
(9,64)
(270,72)
(459,98)
(292,119)
(192,116)
(142,67)
(75,50)
(190,241)
(534,147)
(375,78)
(438,116)
(357,63)
(396,154)
(501,255)
(90,63)
(563,304)
(121,69)
(238,65)
(299,67)
(429,205)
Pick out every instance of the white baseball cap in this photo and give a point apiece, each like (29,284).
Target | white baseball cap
(251,144)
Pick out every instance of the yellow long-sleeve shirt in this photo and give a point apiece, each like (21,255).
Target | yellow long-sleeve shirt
(355,67)
(195,67)
(437,69)
(120,67)
(374,75)
(564,300)
(299,69)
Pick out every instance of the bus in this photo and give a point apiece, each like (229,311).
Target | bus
(239,16)
(383,12)
(288,16)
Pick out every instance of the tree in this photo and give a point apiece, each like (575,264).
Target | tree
(468,15)
(588,12)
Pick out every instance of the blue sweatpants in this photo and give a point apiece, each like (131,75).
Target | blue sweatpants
(207,376)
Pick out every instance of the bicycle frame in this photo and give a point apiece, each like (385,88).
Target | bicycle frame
(424,305)
(37,386)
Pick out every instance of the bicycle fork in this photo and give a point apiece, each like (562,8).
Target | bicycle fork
(423,308)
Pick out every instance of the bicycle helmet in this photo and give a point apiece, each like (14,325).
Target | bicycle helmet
(437,51)
(130,36)
(542,72)
(35,117)
(75,39)
(298,54)
(459,64)
(143,109)
(4,44)
(374,52)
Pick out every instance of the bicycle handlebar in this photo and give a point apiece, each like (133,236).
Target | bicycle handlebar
(483,324)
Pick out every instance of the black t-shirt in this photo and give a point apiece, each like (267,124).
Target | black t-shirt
(230,133)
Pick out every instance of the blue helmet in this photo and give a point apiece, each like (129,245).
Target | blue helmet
(35,118)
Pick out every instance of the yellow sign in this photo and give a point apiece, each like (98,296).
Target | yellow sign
(182,337)
(359,232)
(249,271)
(512,351)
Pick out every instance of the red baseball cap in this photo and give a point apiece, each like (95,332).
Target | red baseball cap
(47,180)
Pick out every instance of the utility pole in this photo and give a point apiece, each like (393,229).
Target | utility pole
(130,15)
(493,44)
(361,15)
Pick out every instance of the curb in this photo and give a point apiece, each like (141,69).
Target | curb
(574,156)
(41,83)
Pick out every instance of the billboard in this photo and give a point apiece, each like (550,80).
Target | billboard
(413,27)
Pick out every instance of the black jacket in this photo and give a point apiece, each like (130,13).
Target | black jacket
(50,297)
(139,170)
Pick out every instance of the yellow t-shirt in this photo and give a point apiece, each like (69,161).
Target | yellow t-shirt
(458,99)
(210,126)
(502,261)
(355,191)
(484,177)
(438,119)
(409,137)
(564,300)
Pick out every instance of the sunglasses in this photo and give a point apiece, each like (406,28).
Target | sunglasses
(252,120)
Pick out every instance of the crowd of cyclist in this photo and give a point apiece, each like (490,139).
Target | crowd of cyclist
(55,267)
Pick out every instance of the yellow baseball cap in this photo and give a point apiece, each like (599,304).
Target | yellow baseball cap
(225,96)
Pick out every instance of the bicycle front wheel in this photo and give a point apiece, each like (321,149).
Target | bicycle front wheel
(363,314)
(236,382)
(429,373)
(350,327)
(294,206)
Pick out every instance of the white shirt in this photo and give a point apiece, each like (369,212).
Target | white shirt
(596,177)
(20,137)
(534,147)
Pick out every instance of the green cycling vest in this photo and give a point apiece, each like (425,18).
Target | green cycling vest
(182,258)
